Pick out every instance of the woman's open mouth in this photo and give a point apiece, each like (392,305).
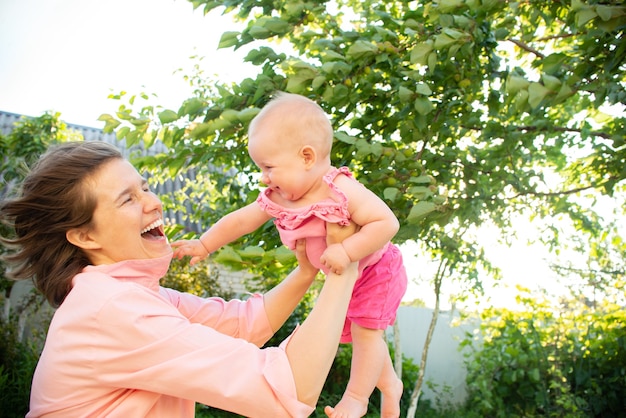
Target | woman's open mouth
(153,231)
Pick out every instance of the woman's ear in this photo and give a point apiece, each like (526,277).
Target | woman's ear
(81,238)
(309,155)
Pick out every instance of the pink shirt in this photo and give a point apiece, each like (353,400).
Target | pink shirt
(122,346)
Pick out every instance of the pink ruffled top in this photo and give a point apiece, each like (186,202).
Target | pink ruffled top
(310,221)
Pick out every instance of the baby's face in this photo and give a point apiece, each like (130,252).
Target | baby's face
(282,169)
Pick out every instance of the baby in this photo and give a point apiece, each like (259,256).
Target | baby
(290,141)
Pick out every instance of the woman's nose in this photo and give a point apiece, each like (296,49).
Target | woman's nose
(152,202)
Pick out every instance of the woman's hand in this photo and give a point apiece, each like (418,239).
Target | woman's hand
(303,260)
(336,233)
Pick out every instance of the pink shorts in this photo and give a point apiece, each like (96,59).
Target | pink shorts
(377,294)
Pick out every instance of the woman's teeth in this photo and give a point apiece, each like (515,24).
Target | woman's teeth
(153,225)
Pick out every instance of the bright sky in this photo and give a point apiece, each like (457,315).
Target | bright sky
(69,55)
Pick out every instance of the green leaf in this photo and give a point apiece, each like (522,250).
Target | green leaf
(259,32)
(192,107)
(447,6)
(252,252)
(405,94)
(420,53)
(110,123)
(521,100)
(140,121)
(277,25)
(168,116)
(420,210)
(228,39)
(536,93)
(246,115)
(516,83)
(606,12)
(564,92)
(122,132)
(390,193)
(553,63)
(534,375)
(551,82)
(297,83)
(423,105)
(423,89)
(227,255)
(329,55)
(318,82)
(432,61)
(284,255)
(420,192)
(424,179)
(443,40)
(345,138)
(201,130)
(585,16)
(231,115)
(361,49)
(453,33)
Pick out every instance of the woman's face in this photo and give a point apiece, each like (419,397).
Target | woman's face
(128,219)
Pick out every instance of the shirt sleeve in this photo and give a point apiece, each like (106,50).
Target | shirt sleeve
(146,343)
(242,319)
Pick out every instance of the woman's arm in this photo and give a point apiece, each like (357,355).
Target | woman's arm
(281,300)
(312,348)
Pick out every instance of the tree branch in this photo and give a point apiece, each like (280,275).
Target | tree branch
(527,48)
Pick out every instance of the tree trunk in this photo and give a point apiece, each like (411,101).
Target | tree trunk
(7,308)
(397,358)
(417,390)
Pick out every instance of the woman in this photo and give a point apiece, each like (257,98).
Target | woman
(90,232)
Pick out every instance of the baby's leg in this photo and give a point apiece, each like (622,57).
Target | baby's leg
(390,387)
(369,352)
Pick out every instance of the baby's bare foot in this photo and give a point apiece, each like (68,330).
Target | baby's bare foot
(350,406)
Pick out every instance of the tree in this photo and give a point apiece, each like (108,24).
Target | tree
(458,113)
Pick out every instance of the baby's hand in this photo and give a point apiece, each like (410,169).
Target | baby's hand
(335,258)
(190,247)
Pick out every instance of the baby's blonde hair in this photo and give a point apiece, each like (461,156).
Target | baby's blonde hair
(297,120)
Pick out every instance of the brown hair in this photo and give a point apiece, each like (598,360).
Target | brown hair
(53,199)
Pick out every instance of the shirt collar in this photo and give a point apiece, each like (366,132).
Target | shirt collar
(146,272)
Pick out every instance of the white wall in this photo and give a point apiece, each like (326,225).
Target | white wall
(444,365)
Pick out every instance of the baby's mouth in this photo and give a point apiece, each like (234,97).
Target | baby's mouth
(154,230)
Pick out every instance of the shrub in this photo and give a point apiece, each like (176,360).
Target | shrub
(543,362)
(17,365)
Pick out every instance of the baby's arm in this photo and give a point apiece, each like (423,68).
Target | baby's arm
(377,221)
(232,226)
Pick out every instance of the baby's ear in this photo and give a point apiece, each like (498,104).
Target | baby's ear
(309,155)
